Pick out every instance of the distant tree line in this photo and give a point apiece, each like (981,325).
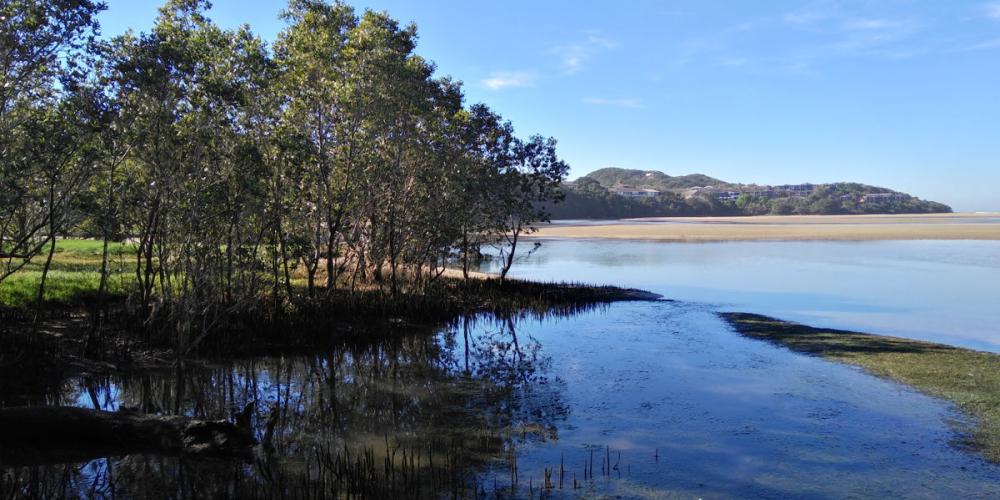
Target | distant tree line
(588,199)
(233,166)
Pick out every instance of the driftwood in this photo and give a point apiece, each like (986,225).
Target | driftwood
(31,435)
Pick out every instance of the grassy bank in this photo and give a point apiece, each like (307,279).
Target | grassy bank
(970,379)
(74,274)
(63,332)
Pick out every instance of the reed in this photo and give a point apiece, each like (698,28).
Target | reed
(433,469)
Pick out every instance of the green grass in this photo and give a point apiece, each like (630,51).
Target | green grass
(91,248)
(970,379)
(73,275)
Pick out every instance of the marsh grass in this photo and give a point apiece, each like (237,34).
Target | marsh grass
(970,379)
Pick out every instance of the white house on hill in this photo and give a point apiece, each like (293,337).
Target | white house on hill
(634,192)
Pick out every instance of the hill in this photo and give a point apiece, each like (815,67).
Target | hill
(611,193)
(654,179)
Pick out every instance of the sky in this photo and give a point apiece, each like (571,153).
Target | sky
(903,94)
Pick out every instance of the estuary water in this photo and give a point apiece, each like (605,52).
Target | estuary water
(942,291)
(631,400)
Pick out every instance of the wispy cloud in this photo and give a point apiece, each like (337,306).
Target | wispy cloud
(992,10)
(805,18)
(835,26)
(575,56)
(735,62)
(500,80)
(987,45)
(601,41)
(871,24)
(631,102)
(866,34)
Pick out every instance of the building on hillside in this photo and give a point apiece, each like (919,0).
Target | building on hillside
(634,192)
(796,189)
(727,196)
(878,197)
(759,192)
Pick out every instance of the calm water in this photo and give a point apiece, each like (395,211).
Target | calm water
(680,404)
(944,291)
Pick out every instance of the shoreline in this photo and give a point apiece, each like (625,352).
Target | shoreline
(57,345)
(967,378)
(979,227)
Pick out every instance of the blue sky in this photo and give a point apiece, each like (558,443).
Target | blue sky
(898,93)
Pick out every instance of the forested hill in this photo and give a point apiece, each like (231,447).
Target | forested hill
(612,193)
(609,177)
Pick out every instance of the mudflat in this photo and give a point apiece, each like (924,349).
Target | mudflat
(956,226)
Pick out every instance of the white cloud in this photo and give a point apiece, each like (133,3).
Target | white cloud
(575,56)
(824,30)
(847,31)
(865,34)
(601,41)
(992,10)
(502,80)
(631,103)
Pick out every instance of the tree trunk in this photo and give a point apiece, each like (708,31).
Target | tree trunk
(45,270)
(40,299)
(509,260)
(465,255)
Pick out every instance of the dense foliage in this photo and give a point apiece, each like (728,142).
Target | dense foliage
(590,198)
(654,179)
(235,169)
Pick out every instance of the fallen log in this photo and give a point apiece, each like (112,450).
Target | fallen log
(65,434)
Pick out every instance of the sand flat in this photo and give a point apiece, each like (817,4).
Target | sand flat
(960,226)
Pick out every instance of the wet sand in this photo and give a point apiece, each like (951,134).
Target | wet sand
(961,226)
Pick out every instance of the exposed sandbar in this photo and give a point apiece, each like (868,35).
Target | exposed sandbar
(817,227)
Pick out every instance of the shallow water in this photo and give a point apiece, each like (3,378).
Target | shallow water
(679,403)
(735,417)
(943,291)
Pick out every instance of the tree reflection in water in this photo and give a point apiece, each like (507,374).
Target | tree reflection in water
(427,412)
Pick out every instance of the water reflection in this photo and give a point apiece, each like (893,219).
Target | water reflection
(362,417)
(644,399)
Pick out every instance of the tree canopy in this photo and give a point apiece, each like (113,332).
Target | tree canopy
(238,169)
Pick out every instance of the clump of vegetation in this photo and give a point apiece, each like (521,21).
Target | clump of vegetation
(970,379)
(79,327)
(221,180)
